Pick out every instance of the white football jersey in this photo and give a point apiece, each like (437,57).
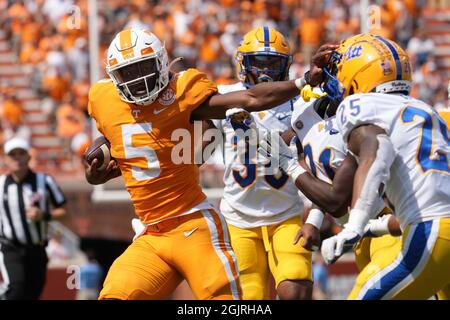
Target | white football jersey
(252,197)
(419,183)
(322,144)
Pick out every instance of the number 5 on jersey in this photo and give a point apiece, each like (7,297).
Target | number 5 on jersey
(153,169)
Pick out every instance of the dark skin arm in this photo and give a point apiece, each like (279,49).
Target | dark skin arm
(336,198)
(264,95)
(260,97)
(310,235)
(333,198)
(363,143)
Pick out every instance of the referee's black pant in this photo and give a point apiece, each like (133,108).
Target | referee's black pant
(26,268)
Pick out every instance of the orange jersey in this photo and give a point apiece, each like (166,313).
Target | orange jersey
(141,142)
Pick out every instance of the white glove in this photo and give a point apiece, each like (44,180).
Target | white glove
(273,148)
(334,247)
(377,227)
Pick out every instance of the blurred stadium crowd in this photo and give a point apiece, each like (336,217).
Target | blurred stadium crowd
(50,38)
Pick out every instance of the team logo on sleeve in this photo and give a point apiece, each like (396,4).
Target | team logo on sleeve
(167,97)
(321,127)
(261,115)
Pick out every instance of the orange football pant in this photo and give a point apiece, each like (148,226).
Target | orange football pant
(195,247)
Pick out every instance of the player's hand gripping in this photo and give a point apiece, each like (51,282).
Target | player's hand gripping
(240,119)
(318,61)
(273,148)
(334,247)
(94,176)
(310,230)
(310,235)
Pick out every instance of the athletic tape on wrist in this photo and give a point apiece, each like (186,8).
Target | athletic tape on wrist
(380,226)
(357,220)
(315,217)
(300,83)
(295,173)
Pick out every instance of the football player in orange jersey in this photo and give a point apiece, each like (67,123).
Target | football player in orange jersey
(137,110)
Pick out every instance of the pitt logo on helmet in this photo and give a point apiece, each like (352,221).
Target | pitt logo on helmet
(263,55)
(380,66)
(353,52)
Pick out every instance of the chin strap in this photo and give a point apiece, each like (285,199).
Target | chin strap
(176,60)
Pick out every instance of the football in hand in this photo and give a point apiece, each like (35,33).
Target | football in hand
(100,150)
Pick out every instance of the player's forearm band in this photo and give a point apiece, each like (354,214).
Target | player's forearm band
(296,172)
(315,217)
(380,226)
(300,83)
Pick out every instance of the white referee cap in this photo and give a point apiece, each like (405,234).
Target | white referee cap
(16,143)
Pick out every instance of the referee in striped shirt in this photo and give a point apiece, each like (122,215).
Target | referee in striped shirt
(24,215)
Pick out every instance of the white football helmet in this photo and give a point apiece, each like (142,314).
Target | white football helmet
(138,64)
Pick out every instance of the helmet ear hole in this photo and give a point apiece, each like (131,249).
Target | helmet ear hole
(351,91)
(353,88)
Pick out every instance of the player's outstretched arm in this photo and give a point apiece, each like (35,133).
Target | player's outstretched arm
(265,95)
(260,97)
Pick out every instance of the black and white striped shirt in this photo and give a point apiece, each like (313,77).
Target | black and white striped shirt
(37,189)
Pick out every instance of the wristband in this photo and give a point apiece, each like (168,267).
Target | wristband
(357,220)
(315,218)
(379,227)
(296,172)
(300,83)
